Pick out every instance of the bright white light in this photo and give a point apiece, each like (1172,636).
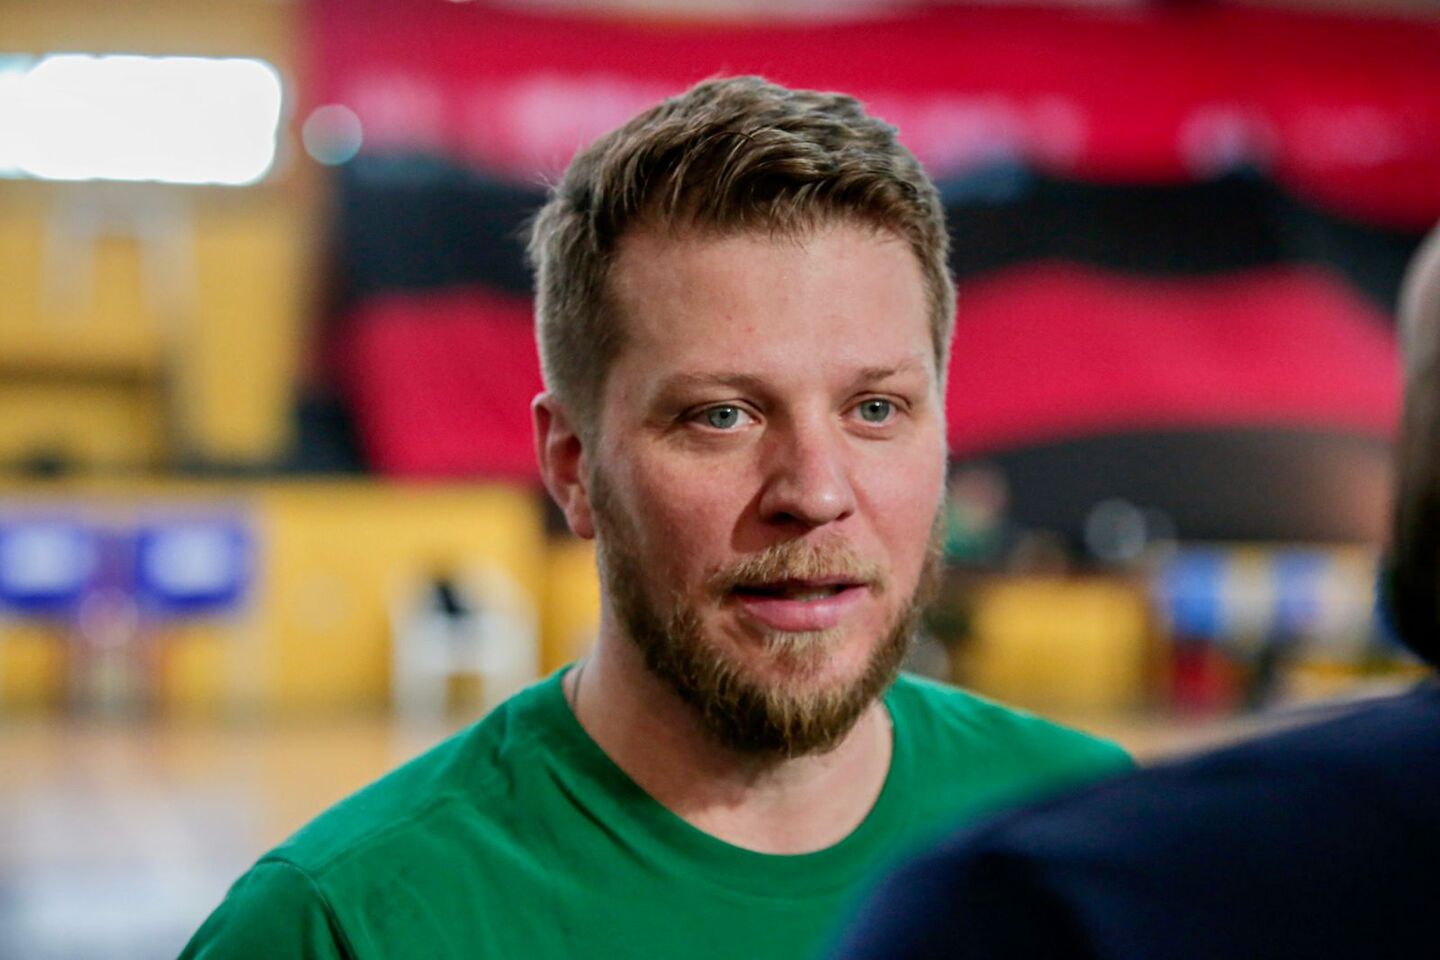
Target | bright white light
(172,119)
(12,82)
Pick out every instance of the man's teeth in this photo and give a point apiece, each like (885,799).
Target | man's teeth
(803,593)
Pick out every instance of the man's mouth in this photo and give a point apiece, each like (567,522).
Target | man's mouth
(799,605)
(797,590)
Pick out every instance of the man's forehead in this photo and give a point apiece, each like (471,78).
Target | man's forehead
(714,250)
(840,306)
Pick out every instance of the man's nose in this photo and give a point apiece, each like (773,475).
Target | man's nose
(807,478)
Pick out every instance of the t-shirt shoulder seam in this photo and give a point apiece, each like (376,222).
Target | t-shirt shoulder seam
(353,845)
(379,831)
(331,916)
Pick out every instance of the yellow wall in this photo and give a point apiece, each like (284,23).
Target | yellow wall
(52,319)
(572,601)
(1061,643)
(334,558)
(195,339)
(340,555)
(331,559)
(32,666)
(108,423)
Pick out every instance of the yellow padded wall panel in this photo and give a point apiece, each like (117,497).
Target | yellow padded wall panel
(236,361)
(32,666)
(20,259)
(196,665)
(117,298)
(213,304)
(69,308)
(332,560)
(1080,644)
(106,423)
(340,555)
(224,320)
(572,601)
(216,28)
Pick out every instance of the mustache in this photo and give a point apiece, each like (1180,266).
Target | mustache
(798,560)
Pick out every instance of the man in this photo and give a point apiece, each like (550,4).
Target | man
(1317,842)
(744,312)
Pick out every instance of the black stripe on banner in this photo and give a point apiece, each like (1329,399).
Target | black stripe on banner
(415,222)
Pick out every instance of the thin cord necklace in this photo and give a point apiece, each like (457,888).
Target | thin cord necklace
(573,699)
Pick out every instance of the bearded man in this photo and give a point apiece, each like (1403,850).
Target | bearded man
(744,314)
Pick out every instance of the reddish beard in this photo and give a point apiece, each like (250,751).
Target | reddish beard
(781,718)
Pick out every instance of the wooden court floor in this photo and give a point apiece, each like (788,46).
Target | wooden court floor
(118,837)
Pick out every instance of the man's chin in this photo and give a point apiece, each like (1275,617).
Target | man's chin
(803,660)
(794,694)
(777,694)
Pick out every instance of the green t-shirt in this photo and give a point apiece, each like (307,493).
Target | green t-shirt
(520,838)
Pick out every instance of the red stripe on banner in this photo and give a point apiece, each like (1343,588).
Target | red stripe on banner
(441,384)
(1342,108)
(1053,351)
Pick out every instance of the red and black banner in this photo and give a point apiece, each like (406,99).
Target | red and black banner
(1178,230)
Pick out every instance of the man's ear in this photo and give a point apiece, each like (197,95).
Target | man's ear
(561,456)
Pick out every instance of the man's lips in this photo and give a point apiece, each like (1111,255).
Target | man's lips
(800,605)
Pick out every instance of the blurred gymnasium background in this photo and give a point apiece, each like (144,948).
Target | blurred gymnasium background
(269,520)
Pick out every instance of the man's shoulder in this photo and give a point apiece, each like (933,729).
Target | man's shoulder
(969,756)
(470,779)
(399,866)
(939,715)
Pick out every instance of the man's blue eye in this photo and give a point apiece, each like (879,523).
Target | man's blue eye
(876,411)
(722,418)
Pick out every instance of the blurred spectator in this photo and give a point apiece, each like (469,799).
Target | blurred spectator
(1316,842)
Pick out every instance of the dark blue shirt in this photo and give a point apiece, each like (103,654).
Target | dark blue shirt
(1322,841)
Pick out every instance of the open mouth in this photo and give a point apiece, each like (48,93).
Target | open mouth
(800,605)
(801,591)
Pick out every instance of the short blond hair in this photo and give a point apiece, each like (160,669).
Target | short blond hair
(729,155)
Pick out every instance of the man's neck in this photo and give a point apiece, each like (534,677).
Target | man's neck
(765,804)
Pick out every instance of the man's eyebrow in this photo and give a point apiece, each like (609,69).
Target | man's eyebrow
(876,373)
(684,381)
(750,383)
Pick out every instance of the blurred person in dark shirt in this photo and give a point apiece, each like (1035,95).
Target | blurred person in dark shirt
(1321,841)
